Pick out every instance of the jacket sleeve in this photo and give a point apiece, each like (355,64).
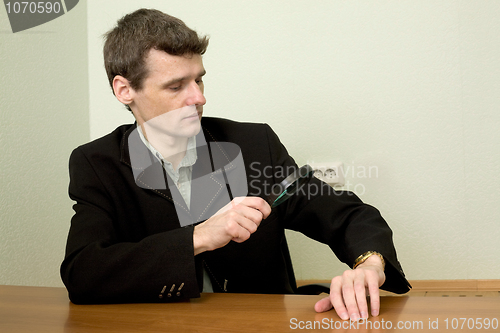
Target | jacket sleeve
(339,219)
(100,267)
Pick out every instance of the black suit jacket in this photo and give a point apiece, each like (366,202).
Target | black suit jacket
(126,243)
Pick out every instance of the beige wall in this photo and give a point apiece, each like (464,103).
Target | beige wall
(409,88)
(43,116)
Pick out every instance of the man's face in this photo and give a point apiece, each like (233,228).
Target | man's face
(171,98)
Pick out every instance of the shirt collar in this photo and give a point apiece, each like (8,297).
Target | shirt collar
(188,160)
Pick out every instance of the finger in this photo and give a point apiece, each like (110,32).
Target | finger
(257,203)
(236,201)
(336,298)
(349,295)
(373,289)
(250,224)
(323,305)
(240,227)
(251,214)
(360,292)
(239,233)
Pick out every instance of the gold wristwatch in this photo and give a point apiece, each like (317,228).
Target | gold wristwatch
(362,258)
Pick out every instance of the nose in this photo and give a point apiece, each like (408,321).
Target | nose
(196,96)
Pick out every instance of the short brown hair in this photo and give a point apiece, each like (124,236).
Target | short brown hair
(127,45)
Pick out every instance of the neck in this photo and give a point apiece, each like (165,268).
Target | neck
(172,148)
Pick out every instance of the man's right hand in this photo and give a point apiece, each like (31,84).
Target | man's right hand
(236,221)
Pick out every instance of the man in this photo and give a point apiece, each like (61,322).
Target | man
(134,188)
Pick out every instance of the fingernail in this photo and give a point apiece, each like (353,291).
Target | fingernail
(374,313)
(344,316)
(354,317)
(364,315)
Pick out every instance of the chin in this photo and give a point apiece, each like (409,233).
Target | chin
(194,130)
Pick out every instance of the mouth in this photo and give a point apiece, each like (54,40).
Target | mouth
(192,116)
(195,114)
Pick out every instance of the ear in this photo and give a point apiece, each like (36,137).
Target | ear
(122,89)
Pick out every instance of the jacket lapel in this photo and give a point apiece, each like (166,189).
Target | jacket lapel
(208,186)
(146,168)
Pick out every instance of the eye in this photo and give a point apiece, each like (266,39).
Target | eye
(175,88)
(199,81)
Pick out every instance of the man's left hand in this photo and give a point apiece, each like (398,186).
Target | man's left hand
(348,291)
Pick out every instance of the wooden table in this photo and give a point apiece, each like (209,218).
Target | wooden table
(36,309)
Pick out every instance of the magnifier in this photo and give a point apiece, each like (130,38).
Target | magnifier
(290,185)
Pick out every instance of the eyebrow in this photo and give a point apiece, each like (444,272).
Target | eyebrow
(173,81)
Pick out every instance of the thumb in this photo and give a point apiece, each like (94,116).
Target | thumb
(323,305)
